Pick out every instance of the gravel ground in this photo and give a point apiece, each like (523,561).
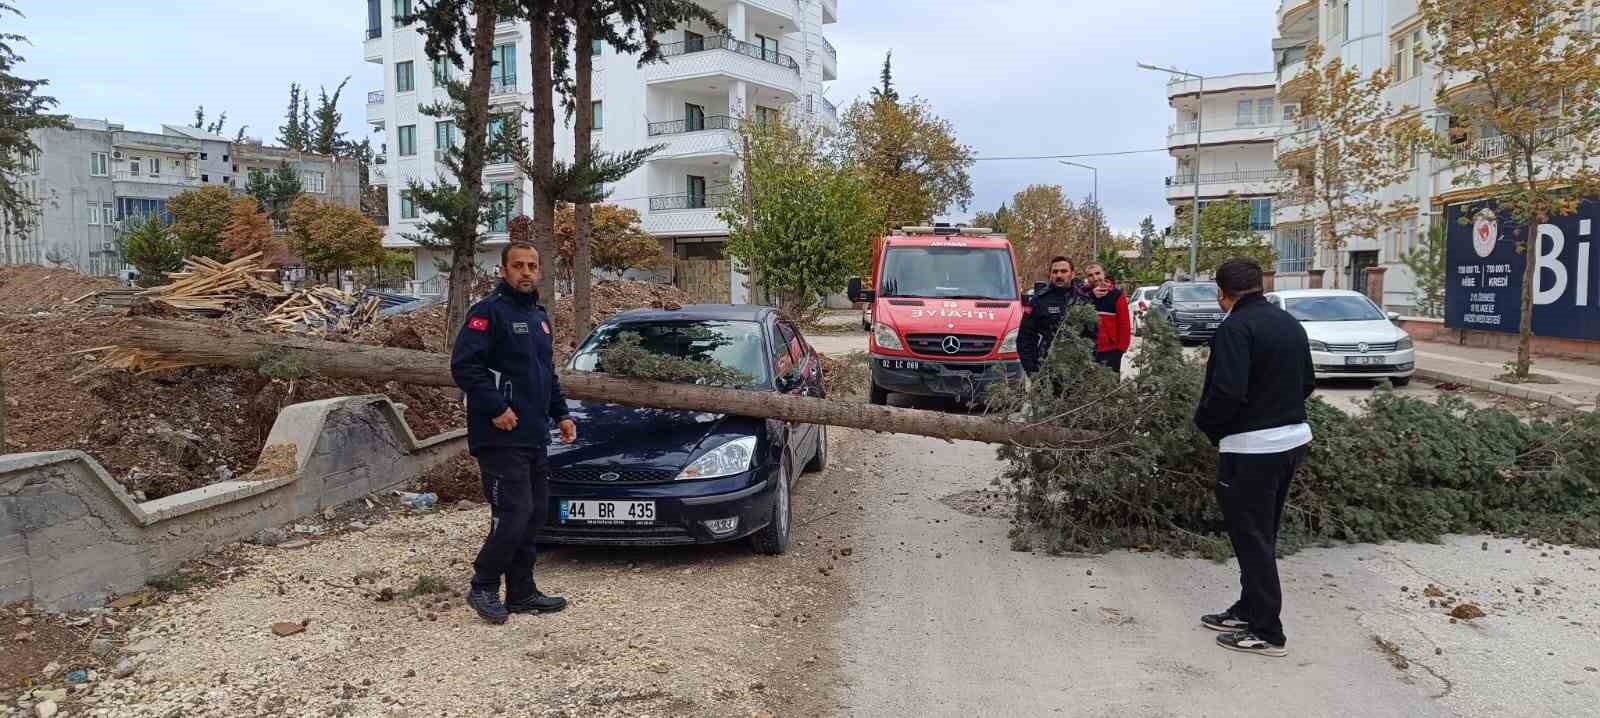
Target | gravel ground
(714,631)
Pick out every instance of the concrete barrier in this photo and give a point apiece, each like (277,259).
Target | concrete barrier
(70,535)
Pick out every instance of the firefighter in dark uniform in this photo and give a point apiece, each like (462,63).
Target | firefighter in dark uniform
(1046,313)
(504,363)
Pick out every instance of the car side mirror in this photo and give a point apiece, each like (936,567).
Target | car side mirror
(858,293)
(1394,316)
(1040,288)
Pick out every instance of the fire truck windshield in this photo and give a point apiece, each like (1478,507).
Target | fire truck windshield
(949,273)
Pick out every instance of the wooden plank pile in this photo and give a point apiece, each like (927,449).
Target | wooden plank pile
(209,286)
(323,309)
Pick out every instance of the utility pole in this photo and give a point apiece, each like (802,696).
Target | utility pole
(1199,126)
(1095,257)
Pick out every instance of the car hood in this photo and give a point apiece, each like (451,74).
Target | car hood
(985,317)
(611,435)
(1375,331)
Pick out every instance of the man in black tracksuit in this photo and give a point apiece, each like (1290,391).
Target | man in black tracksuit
(1047,311)
(503,362)
(1253,407)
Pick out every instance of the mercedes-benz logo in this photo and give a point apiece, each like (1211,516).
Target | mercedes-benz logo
(952,345)
(610,476)
(1362,347)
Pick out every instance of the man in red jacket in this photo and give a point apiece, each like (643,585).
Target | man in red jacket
(1116,328)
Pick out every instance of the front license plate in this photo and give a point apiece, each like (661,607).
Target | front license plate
(900,364)
(1212,325)
(1362,361)
(608,512)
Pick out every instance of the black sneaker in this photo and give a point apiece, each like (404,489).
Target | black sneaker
(1224,621)
(537,603)
(488,605)
(1247,642)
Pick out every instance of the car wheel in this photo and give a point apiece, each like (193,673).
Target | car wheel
(819,460)
(773,540)
(877,395)
(1399,381)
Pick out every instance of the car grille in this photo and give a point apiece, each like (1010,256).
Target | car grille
(1198,316)
(593,475)
(934,344)
(1372,348)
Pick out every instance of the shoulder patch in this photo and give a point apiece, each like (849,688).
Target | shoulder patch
(478,324)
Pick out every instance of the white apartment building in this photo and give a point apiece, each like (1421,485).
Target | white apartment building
(1235,122)
(773,58)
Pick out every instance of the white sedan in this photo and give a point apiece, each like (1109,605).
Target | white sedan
(1351,338)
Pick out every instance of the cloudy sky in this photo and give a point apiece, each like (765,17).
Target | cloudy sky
(1015,77)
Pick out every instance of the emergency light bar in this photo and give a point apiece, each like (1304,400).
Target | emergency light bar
(923,229)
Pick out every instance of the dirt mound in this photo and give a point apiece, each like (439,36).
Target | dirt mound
(30,287)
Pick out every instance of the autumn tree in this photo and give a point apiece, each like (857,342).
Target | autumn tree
(329,237)
(1524,70)
(800,220)
(619,242)
(152,248)
(909,156)
(22,110)
(199,218)
(1355,144)
(1043,223)
(249,231)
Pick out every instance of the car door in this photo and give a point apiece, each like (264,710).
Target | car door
(790,359)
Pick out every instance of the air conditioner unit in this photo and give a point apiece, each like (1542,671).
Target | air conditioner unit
(108,246)
(116,154)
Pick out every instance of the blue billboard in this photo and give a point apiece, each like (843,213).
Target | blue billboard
(1484,270)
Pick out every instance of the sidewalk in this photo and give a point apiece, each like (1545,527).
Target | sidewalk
(1578,387)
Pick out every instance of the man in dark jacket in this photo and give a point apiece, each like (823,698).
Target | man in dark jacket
(1046,312)
(503,362)
(1253,407)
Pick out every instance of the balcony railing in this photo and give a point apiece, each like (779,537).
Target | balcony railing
(180,180)
(829,108)
(1189,127)
(374,33)
(375,97)
(828,47)
(1235,176)
(678,127)
(501,84)
(1490,148)
(727,43)
(665,202)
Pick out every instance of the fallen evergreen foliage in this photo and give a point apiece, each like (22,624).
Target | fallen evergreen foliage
(1406,469)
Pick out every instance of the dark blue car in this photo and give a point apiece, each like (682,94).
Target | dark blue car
(642,476)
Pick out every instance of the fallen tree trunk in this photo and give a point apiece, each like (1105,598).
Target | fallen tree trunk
(205,345)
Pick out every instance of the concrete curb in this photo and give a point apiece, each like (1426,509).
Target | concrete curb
(70,535)
(1517,391)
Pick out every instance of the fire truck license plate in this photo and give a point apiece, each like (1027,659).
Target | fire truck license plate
(900,364)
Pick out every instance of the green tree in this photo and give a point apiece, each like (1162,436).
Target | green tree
(153,249)
(801,221)
(1427,265)
(330,237)
(456,209)
(22,110)
(998,220)
(1225,233)
(909,156)
(324,137)
(292,134)
(199,219)
(1534,85)
(212,127)
(1148,237)
(275,190)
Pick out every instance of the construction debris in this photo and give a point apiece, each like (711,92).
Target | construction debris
(323,310)
(211,287)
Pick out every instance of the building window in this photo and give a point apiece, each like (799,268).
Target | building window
(99,164)
(202,155)
(316,182)
(811,102)
(597,111)
(504,205)
(595,46)
(224,158)
(108,214)
(154,165)
(404,80)
(498,152)
(1245,114)
(408,209)
(1264,111)
(1294,248)
(441,71)
(444,135)
(408,140)
(94,214)
(1417,52)
(1400,63)
(132,210)
(205,178)
(1344,22)
(1261,214)
(766,115)
(503,71)
(402,8)
(769,47)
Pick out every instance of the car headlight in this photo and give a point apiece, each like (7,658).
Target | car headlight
(726,460)
(1317,346)
(1404,343)
(886,337)
(1008,345)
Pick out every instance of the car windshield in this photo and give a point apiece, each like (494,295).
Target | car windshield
(1332,309)
(949,273)
(731,346)
(1194,293)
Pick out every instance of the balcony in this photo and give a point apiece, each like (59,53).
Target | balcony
(683,215)
(124,175)
(1295,148)
(375,107)
(678,127)
(1182,134)
(673,202)
(711,135)
(725,56)
(502,85)
(829,109)
(1218,184)
(829,58)
(1293,81)
(372,47)
(1179,85)
(784,10)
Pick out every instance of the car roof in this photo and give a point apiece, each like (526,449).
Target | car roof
(1292,293)
(698,313)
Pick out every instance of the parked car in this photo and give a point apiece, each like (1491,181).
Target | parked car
(1351,338)
(1192,308)
(640,476)
(1139,305)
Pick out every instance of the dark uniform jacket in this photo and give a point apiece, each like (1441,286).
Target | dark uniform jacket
(503,358)
(1044,317)
(1259,373)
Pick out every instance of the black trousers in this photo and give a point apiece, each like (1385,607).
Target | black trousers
(1110,359)
(516,483)
(1252,489)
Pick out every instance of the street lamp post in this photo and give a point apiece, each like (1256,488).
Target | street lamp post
(1199,119)
(1096,239)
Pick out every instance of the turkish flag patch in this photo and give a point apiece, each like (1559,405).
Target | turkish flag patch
(478,324)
